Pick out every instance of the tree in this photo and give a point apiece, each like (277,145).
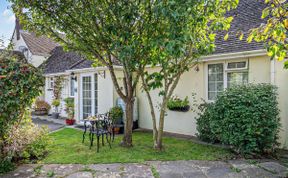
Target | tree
(274,31)
(106,32)
(186,32)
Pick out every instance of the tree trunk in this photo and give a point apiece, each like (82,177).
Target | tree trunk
(159,145)
(152,111)
(127,138)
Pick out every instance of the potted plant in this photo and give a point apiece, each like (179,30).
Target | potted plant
(177,104)
(116,115)
(69,108)
(41,107)
(56,104)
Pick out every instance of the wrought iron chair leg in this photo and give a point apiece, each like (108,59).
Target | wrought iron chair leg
(113,133)
(108,141)
(98,137)
(91,141)
(83,137)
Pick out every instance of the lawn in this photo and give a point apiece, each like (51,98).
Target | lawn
(67,148)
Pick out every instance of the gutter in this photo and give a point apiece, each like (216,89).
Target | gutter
(237,55)
(92,69)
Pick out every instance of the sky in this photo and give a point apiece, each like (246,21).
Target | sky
(7,21)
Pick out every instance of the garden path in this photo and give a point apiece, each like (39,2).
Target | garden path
(167,169)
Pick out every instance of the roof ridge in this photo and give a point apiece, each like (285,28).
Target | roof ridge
(76,63)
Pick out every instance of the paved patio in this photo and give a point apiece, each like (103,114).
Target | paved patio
(52,125)
(167,169)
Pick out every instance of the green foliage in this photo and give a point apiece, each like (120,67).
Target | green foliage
(176,102)
(24,142)
(116,113)
(274,32)
(69,107)
(57,91)
(20,84)
(38,148)
(245,117)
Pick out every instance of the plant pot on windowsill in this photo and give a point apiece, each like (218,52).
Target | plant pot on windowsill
(55,115)
(70,121)
(180,109)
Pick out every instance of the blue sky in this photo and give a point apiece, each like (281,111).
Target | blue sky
(7,21)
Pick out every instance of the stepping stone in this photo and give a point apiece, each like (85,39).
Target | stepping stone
(81,174)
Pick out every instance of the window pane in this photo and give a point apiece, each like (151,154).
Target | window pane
(236,65)
(96,93)
(86,96)
(215,80)
(237,78)
(72,87)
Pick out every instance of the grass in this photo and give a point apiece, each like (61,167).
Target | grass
(68,148)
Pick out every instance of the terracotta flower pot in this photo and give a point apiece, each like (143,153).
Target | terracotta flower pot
(116,130)
(70,121)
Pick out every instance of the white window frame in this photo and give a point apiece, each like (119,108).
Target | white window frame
(92,75)
(50,83)
(225,73)
(75,87)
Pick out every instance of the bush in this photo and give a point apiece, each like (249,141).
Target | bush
(41,105)
(245,117)
(27,141)
(116,114)
(20,84)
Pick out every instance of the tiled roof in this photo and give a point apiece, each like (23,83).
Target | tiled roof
(246,16)
(38,45)
(60,61)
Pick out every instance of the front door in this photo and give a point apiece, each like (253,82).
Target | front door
(89,95)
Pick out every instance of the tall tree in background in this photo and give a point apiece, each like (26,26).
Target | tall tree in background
(185,32)
(274,31)
(106,32)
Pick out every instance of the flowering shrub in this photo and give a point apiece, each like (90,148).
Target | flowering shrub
(27,141)
(20,84)
(175,103)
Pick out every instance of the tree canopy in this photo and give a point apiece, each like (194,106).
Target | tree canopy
(274,32)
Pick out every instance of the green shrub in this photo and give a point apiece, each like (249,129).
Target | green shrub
(38,148)
(20,84)
(245,117)
(116,114)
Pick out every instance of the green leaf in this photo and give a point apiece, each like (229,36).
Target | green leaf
(226,36)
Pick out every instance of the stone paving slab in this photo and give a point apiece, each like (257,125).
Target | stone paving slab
(52,126)
(150,169)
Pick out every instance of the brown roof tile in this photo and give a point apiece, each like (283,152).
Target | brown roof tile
(38,45)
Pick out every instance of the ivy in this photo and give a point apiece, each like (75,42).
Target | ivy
(20,84)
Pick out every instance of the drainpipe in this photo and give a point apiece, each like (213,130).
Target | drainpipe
(272,70)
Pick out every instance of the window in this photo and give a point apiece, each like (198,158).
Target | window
(236,73)
(50,83)
(96,93)
(87,96)
(72,87)
(215,80)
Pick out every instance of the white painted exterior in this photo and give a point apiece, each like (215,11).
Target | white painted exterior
(35,60)
(260,70)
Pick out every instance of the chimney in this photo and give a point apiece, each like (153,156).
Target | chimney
(17,28)
(18,25)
